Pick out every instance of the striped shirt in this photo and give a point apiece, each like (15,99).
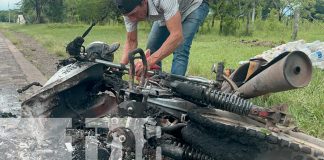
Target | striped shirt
(163,10)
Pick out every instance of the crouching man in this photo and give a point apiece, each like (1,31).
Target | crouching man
(175,24)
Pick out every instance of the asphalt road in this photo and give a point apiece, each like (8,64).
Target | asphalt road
(15,72)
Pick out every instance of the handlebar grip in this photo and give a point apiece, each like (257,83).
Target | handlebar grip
(88,30)
(74,47)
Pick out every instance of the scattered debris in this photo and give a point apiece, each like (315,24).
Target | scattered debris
(69,147)
(7,115)
(261,43)
(314,51)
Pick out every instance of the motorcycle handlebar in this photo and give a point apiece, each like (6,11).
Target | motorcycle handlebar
(183,78)
(132,57)
(118,66)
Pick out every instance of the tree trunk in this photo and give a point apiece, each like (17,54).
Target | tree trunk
(287,21)
(221,24)
(248,24)
(213,20)
(253,12)
(279,10)
(296,21)
(38,11)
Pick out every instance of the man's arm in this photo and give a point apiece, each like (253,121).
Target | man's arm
(130,44)
(172,42)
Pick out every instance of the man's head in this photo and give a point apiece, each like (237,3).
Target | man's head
(135,10)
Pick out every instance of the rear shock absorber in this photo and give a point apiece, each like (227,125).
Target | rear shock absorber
(225,101)
(207,96)
(178,151)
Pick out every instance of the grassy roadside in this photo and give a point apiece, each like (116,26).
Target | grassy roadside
(306,105)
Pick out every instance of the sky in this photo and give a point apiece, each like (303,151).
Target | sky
(4,4)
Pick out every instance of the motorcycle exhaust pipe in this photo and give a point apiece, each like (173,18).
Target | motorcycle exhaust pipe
(294,70)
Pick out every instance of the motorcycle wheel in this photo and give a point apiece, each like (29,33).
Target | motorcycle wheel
(228,136)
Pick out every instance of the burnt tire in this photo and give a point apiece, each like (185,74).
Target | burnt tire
(227,139)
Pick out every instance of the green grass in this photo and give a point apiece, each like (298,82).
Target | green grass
(306,105)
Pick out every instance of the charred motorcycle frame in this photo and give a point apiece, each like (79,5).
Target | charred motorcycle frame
(200,118)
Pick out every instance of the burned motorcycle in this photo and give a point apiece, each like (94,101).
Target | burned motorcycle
(199,118)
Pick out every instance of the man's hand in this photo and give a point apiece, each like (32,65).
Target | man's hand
(139,68)
(130,44)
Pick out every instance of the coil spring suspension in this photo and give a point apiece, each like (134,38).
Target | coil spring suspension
(227,102)
(209,96)
(188,152)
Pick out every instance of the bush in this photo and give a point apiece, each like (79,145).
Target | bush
(230,26)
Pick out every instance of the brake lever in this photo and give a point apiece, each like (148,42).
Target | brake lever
(119,66)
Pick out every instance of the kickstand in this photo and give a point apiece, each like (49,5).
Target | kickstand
(28,86)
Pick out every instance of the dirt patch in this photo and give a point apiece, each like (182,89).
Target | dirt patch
(36,54)
(261,43)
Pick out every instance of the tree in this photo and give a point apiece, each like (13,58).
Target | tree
(316,12)
(282,6)
(297,6)
(29,6)
(71,10)
(296,21)
(215,8)
(54,10)
(248,10)
(87,11)
(228,13)
(4,16)
(290,7)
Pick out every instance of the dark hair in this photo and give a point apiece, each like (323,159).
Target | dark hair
(126,6)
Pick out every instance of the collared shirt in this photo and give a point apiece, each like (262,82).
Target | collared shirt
(163,10)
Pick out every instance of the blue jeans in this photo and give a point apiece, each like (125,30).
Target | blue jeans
(190,27)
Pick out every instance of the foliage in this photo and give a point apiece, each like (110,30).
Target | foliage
(41,11)
(318,12)
(272,22)
(96,10)
(33,10)
(228,13)
(236,17)
(4,16)
(54,10)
